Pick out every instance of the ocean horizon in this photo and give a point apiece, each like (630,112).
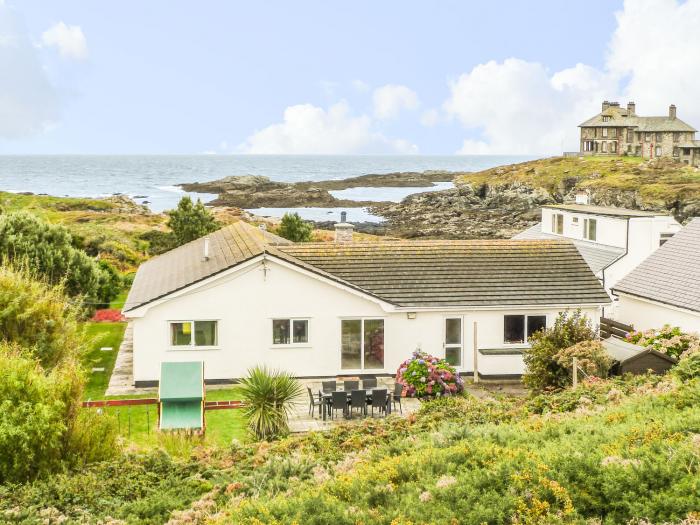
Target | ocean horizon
(153,179)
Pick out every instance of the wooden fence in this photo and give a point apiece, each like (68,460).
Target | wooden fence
(609,328)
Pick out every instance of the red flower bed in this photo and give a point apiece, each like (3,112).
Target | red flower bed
(108,316)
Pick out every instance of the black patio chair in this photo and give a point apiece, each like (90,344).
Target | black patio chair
(339,401)
(314,402)
(396,398)
(329,386)
(358,399)
(379,400)
(370,382)
(349,386)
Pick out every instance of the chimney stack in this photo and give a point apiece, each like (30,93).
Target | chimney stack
(606,105)
(672,111)
(343,229)
(206,248)
(631,108)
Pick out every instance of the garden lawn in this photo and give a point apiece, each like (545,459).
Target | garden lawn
(102,335)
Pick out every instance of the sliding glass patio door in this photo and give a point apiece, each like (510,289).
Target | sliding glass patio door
(362,344)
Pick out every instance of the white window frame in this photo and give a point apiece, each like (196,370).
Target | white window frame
(291,333)
(555,221)
(192,346)
(605,132)
(526,341)
(362,346)
(586,229)
(446,345)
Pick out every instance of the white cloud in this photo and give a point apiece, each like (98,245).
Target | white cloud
(28,102)
(430,118)
(309,129)
(522,107)
(391,99)
(360,86)
(69,40)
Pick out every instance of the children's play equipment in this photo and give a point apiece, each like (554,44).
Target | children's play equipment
(181,396)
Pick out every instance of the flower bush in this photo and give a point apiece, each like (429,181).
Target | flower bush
(669,340)
(591,355)
(424,375)
(108,316)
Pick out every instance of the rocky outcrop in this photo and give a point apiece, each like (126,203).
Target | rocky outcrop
(254,191)
(466,212)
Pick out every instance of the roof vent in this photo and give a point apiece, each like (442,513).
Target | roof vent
(206,248)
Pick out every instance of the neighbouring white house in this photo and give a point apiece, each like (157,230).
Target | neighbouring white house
(613,241)
(243,297)
(665,288)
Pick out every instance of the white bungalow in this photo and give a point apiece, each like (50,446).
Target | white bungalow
(243,297)
(613,241)
(665,288)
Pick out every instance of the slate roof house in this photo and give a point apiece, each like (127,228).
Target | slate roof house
(613,241)
(243,297)
(665,288)
(618,131)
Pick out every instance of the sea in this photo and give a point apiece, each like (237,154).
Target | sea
(154,180)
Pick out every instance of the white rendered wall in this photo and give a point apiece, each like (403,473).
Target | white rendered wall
(644,315)
(245,305)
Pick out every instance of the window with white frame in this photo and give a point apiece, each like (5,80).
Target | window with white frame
(193,334)
(517,329)
(590,227)
(290,331)
(605,132)
(558,223)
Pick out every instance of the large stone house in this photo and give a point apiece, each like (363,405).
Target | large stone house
(620,131)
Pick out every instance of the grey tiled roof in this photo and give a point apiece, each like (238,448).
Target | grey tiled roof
(403,273)
(619,117)
(604,210)
(460,273)
(671,275)
(597,256)
(184,265)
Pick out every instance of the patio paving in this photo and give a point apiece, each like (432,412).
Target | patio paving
(301,421)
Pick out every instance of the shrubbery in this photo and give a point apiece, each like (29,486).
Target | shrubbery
(190,221)
(543,372)
(294,228)
(41,426)
(49,250)
(591,355)
(668,340)
(38,317)
(424,375)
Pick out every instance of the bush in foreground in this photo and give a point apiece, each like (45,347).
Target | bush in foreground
(591,355)
(669,340)
(42,427)
(543,372)
(294,228)
(190,221)
(39,317)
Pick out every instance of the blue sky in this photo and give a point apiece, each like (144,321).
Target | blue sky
(307,77)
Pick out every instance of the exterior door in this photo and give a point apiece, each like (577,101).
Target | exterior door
(453,342)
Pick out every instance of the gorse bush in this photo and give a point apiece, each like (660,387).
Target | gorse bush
(294,228)
(50,252)
(268,395)
(190,221)
(543,372)
(38,317)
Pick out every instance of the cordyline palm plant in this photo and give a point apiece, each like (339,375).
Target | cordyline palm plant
(268,396)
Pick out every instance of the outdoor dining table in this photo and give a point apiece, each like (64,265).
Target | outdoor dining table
(326,399)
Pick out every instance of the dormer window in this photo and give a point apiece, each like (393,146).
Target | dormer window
(606,118)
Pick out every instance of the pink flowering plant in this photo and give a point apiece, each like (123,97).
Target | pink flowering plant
(669,340)
(424,375)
